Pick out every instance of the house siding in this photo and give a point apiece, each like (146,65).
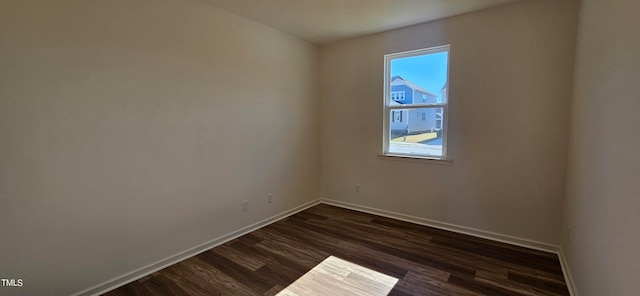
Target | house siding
(408,93)
(412,119)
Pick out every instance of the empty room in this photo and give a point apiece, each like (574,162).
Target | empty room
(319,147)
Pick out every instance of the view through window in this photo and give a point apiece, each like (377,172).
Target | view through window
(415,103)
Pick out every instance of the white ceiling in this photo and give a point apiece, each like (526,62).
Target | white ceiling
(324,21)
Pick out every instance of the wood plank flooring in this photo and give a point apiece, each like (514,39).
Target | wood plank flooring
(327,250)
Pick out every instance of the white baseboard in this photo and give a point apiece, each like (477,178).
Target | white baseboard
(573,290)
(523,242)
(163,263)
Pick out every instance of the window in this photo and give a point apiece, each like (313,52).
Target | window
(397,116)
(397,95)
(423,133)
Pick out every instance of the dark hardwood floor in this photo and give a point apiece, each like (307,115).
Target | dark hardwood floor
(327,250)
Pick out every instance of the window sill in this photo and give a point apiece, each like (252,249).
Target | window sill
(415,158)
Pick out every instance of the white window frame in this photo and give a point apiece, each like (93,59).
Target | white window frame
(387,107)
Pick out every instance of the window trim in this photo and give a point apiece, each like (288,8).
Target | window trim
(387,107)
(415,158)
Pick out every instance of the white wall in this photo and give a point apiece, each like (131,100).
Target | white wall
(510,90)
(132,130)
(603,193)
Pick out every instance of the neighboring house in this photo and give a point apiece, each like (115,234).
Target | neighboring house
(443,92)
(413,121)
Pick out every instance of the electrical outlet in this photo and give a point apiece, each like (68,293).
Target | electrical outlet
(245,205)
(357,188)
(269,198)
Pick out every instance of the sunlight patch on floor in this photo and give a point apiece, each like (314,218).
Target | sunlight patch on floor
(338,277)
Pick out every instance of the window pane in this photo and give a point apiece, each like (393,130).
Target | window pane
(418,131)
(419,79)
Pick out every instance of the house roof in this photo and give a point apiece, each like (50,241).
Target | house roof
(398,80)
